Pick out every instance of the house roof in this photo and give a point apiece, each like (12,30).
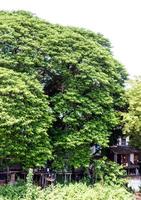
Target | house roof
(124,149)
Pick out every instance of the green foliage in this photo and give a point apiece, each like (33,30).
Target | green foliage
(132,119)
(29,178)
(12,192)
(84,82)
(29,185)
(77,191)
(24,119)
(109,172)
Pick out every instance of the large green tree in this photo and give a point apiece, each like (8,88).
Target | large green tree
(24,120)
(132,118)
(79,74)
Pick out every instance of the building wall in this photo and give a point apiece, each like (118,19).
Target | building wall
(132,158)
(135,183)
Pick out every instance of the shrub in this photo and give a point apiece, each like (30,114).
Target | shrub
(77,191)
(109,172)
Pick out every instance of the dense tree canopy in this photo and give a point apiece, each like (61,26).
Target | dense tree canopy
(79,74)
(24,119)
(132,119)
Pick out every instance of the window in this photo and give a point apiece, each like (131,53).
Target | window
(124,159)
(123,142)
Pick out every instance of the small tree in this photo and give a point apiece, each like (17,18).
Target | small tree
(109,172)
(132,119)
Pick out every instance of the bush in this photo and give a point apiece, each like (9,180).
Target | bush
(77,191)
(109,172)
(12,192)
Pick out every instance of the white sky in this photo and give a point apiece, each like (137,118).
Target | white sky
(118,20)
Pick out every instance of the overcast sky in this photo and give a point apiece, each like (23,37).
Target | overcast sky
(118,20)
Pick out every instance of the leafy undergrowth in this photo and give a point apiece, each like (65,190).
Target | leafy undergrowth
(77,191)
